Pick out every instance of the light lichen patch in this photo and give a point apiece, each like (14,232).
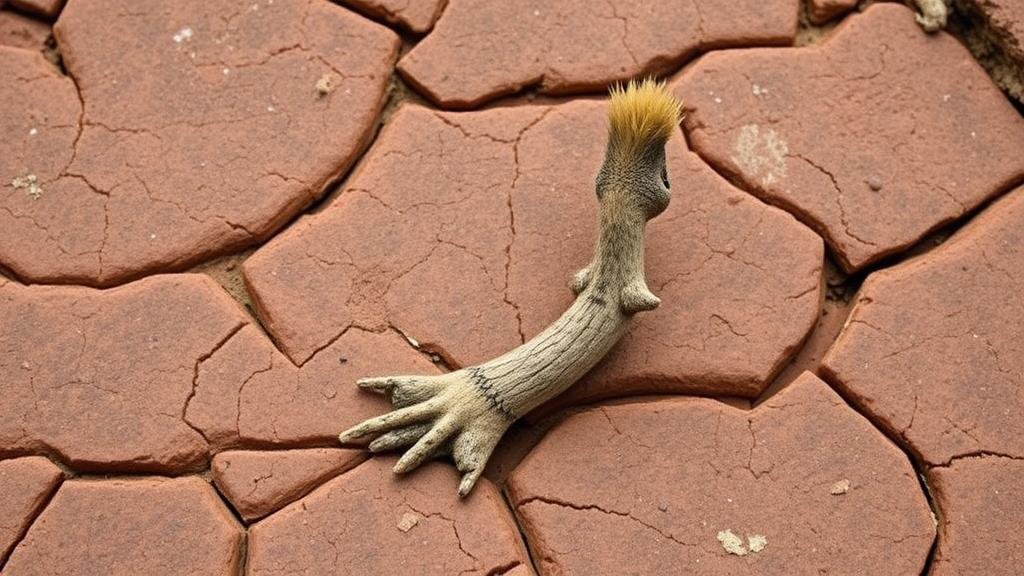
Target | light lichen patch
(30,183)
(757,542)
(761,154)
(732,543)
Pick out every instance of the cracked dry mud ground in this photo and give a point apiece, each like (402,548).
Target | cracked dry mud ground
(216,216)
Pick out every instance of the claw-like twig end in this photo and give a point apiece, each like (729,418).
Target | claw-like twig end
(349,435)
(468,481)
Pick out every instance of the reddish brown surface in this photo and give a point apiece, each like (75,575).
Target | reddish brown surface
(830,324)
(1005,20)
(258,483)
(982,502)
(160,526)
(767,472)
(934,348)
(248,393)
(151,375)
(933,351)
(206,135)
(45,8)
(368,522)
(874,137)
(416,16)
(460,231)
(22,32)
(480,50)
(102,378)
(821,11)
(469,248)
(25,485)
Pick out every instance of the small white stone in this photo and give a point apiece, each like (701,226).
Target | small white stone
(718,100)
(182,35)
(152,236)
(732,543)
(945,97)
(226,71)
(33,132)
(756,543)
(536,12)
(270,108)
(31,185)
(839,488)
(408,521)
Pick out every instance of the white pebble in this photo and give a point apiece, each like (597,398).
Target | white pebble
(183,35)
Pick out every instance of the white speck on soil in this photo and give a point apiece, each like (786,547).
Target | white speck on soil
(31,185)
(325,85)
(732,543)
(760,153)
(759,91)
(33,132)
(408,520)
(840,487)
(182,35)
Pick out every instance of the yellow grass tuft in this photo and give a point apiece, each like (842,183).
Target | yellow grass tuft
(641,113)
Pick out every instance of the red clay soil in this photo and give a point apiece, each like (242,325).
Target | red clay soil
(258,483)
(416,16)
(173,359)
(934,352)
(165,134)
(821,11)
(82,367)
(249,394)
(25,486)
(160,526)
(1005,21)
(694,486)
(469,249)
(875,137)
(934,348)
(22,32)
(207,135)
(481,50)
(982,502)
(368,522)
(994,31)
(43,8)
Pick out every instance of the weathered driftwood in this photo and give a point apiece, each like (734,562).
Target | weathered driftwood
(467,411)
